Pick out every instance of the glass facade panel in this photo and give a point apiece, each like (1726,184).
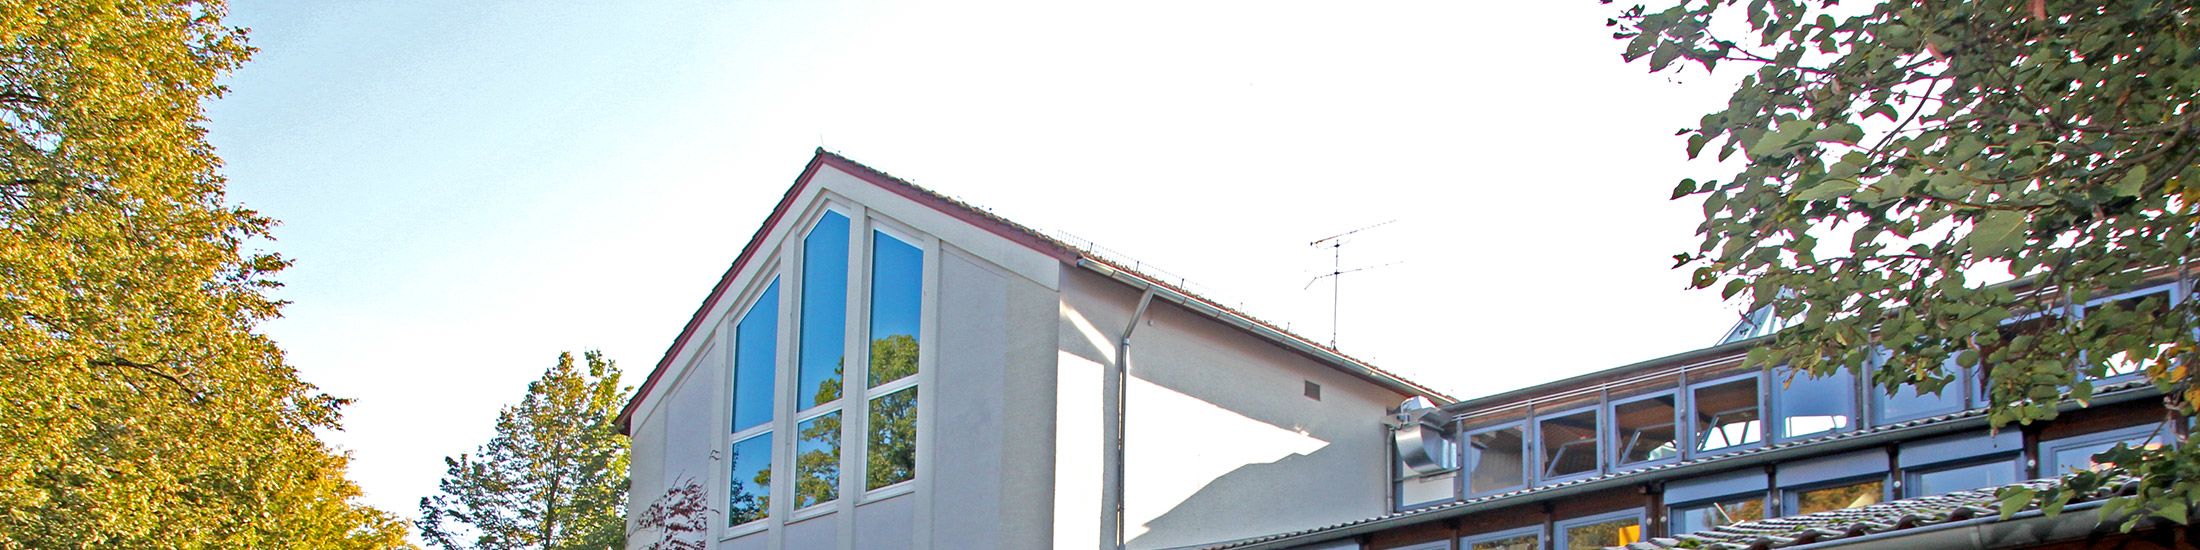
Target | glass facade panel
(1960,478)
(1725,415)
(1705,517)
(1596,536)
(1569,444)
(897,291)
(1646,430)
(1515,542)
(749,495)
(1810,406)
(817,461)
(1840,497)
(824,311)
(1908,403)
(1499,460)
(755,353)
(892,446)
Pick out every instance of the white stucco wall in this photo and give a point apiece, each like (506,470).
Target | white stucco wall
(1221,441)
(983,481)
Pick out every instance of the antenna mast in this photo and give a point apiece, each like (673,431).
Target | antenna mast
(1336,271)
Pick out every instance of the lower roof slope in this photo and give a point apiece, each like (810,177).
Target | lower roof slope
(1886,518)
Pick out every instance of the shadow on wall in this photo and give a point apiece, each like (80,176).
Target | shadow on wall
(1256,499)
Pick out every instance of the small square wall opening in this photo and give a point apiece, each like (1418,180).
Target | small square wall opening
(1313,390)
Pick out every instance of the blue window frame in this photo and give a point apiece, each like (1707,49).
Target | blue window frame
(1646,430)
(1524,538)
(1908,403)
(1567,445)
(1705,515)
(1806,406)
(1497,459)
(1599,531)
(2076,452)
(1725,415)
(1940,480)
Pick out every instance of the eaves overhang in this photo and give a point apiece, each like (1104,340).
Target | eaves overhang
(1014,232)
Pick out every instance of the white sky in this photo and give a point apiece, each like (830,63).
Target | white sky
(470,188)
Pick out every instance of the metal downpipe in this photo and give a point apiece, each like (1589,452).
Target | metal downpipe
(1122,407)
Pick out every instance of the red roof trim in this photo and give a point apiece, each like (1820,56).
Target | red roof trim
(964,212)
(956,209)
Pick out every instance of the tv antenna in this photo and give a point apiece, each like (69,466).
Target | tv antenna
(1337,271)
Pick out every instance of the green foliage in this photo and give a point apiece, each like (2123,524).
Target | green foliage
(553,476)
(138,408)
(892,449)
(1892,155)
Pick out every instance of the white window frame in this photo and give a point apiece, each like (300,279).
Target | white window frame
(793,445)
(729,330)
(863,270)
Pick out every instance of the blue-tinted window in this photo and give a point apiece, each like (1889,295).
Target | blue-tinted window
(893,440)
(817,461)
(1941,481)
(824,311)
(1815,405)
(749,495)
(1908,403)
(897,292)
(755,353)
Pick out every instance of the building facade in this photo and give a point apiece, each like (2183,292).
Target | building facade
(886,368)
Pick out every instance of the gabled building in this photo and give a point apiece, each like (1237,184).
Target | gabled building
(886,368)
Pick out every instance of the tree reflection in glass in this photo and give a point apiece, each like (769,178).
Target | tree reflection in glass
(749,496)
(817,461)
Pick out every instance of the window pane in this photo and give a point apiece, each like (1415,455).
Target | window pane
(824,311)
(893,443)
(1838,498)
(1726,415)
(2081,457)
(1498,460)
(750,493)
(1596,536)
(817,461)
(1817,405)
(1907,402)
(755,349)
(1646,429)
(1569,444)
(1961,478)
(1718,514)
(897,282)
(1521,542)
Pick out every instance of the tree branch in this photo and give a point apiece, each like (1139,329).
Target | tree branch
(146,368)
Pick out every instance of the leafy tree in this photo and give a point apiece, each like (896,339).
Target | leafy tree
(553,476)
(138,407)
(1892,156)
